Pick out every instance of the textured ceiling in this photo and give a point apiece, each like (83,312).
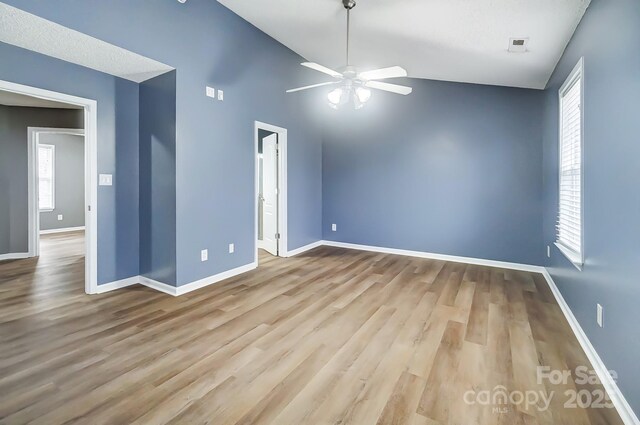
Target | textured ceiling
(31,32)
(452,40)
(16,99)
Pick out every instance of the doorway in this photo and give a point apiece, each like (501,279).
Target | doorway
(56,185)
(89,189)
(271,189)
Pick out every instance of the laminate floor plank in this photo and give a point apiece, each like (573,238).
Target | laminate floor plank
(329,336)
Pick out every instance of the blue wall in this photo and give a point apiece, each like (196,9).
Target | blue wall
(117,148)
(158,178)
(451,169)
(210,45)
(611,195)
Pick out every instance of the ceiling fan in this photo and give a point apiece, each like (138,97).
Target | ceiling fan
(354,85)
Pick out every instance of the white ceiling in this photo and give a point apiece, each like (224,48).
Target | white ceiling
(452,40)
(16,99)
(31,32)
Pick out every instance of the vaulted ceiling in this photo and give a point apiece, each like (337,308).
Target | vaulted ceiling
(452,40)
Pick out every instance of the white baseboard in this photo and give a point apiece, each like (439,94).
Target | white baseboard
(14,256)
(444,257)
(122,283)
(192,286)
(61,230)
(305,248)
(617,398)
(158,286)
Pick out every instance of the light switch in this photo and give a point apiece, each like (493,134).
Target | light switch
(204,255)
(105,180)
(232,248)
(220,95)
(211,92)
(59,217)
(599,315)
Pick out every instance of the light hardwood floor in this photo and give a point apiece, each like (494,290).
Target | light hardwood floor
(332,336)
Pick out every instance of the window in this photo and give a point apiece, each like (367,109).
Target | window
(46,177)
(570,224)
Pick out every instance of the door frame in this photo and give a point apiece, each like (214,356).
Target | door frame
(90,107)
(32,155)
(282,186)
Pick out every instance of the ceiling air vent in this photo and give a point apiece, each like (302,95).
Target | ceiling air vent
(518,45)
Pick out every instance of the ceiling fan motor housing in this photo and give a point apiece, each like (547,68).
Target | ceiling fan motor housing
(349,4)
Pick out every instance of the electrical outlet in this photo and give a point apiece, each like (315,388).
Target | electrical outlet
(548,251)
(59,217)
(220,95)
(334,227)
(600,315)
(211,92)
(204,255)
(232,248)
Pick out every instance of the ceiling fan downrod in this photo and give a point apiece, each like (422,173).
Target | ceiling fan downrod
(348,4)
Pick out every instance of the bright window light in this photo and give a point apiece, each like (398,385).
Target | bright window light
(46,177)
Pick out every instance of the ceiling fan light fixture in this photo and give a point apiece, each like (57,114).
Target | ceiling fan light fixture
(354,85)
(335,97)
(363,94)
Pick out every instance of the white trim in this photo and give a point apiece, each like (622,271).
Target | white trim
(282,187)
(158,286)
(14,256)
(617,398)
(304,248)
(198,284)
(62,230)
(444,257)
(118,284)
(91,173)
(192,286)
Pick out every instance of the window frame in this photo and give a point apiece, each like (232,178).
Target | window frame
(576,258)
(52,148)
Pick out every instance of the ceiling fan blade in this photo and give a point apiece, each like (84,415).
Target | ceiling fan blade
(310,87)
(323,69)
(381,74)
(393,88)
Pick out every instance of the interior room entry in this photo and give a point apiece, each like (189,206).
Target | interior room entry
(41,103)
(271,189)
(269,194)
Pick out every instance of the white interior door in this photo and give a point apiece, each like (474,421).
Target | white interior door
(270,193)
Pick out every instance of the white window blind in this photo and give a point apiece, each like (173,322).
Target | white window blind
(569,228)
(46,177)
